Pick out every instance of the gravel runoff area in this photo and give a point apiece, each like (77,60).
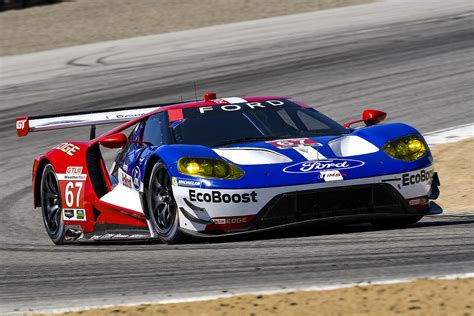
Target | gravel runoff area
(455,165)
(421,297)
(76,22)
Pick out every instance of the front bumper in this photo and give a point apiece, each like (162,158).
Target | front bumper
(434,209)
(217,212)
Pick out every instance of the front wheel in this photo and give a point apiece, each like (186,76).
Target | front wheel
(51,205)
(397,222)
(163,210)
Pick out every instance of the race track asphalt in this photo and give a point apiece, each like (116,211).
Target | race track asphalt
(416,65)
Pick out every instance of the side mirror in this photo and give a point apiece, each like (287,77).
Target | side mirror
(373,117)
(369,117)
(114,141)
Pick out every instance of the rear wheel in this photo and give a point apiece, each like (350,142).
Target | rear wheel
(51,205)
(164,216)
(397,222)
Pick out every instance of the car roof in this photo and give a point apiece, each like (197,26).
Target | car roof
(217,102)
(194,104)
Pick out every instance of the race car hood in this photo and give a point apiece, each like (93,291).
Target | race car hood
(315,159)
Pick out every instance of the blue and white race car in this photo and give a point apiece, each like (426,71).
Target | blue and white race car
(228,166)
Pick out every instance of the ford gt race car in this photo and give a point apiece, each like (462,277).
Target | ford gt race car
(225,166)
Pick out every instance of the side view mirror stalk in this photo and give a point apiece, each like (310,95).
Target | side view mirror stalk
(369,117)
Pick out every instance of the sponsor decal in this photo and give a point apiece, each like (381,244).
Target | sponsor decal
(218,197)
(119,236)
(68,214)
(123,116)
(323,165)
(331,175)
(294,142)
(418,201)
(74,214)
(80,214)
(422,176)
(136,176)
(126,181)
(73,170)
(73,173)
(20,124)
(241,106)
(230,223)
(186,182)
(67,148)
(72,197)
(230,220)
(220,101)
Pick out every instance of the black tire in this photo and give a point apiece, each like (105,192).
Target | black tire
(400,222)
(51,207)
(162,207)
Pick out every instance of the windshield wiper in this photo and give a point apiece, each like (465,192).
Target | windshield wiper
(242,140)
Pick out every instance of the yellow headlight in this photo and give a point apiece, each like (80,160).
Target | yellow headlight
(407,148)
(209,168)
(192,167)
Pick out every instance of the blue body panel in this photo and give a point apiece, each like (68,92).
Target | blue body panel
(271,175)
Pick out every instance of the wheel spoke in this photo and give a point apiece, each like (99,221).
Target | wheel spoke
(52,184)
(155,184)
(54,212)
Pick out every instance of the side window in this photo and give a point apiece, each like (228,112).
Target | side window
(157,129)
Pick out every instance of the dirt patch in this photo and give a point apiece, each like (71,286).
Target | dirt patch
(88,21)
(422,297)
(455,166)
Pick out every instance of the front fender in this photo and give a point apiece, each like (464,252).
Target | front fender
(380,134)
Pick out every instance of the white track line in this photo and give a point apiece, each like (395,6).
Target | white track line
(450,135)
(267,292)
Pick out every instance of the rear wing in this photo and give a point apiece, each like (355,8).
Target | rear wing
(25,125)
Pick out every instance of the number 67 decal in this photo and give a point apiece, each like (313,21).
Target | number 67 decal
(73,194)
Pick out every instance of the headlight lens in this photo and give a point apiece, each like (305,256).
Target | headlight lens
(407,148)
(209,168)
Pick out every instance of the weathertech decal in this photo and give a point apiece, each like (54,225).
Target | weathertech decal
(323,165)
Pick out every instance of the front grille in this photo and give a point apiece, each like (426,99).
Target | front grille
(322,203)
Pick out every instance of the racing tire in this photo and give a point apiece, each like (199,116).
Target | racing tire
(51,207)
(162,207)
(397,222)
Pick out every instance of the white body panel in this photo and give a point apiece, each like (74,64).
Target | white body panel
(409,184)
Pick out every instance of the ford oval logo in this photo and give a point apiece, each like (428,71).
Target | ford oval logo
(321,165)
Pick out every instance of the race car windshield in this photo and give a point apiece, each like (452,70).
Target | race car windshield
(254,121)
